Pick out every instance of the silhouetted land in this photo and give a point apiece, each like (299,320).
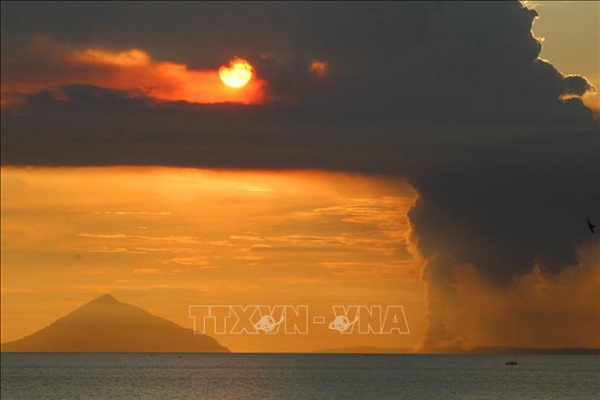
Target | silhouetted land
(108,325)
(367,350)
(453,350)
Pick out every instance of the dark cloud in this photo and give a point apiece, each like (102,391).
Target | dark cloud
(577,85)
(450,96)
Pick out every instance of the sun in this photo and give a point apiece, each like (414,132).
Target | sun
(237,73)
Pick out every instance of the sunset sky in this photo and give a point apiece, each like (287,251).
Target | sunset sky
(431,155)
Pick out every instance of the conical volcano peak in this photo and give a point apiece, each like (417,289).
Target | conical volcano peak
(106,324)
(106,298)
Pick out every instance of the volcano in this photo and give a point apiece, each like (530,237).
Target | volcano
(105,324)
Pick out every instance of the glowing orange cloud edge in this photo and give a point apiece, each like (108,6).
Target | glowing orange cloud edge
(135,70)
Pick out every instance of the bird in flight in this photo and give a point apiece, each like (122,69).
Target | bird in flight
(591,226)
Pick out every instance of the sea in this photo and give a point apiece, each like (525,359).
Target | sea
(297,376)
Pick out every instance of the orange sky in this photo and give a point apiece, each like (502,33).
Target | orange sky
(166,238)
(566,27)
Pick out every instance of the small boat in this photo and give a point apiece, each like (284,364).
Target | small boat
(511,362)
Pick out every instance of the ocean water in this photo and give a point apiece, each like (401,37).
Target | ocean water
(297,376)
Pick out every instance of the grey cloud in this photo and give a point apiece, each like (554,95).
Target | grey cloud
(576,85)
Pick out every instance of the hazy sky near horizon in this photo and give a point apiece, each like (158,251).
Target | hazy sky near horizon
(430,154)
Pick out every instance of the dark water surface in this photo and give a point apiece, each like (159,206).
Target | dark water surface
(297,376)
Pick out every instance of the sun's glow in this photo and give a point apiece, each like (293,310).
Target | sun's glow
(134,71)
(237,73)
(195,236)
(127,58)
